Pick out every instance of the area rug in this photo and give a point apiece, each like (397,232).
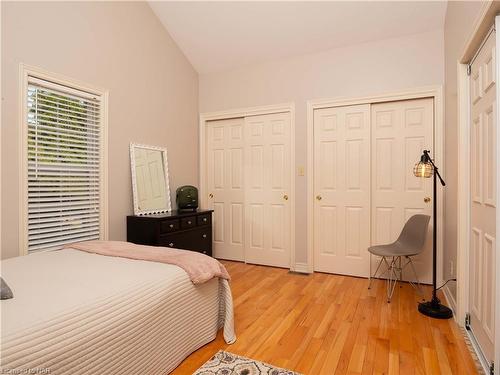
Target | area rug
(225,363)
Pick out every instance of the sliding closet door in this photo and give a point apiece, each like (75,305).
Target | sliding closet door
(483,198)
(400,132)
(267,189)
(225,178)
(342,190)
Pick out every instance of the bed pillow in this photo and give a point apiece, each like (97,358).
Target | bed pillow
(6,293)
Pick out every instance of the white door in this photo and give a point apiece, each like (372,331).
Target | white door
(342,190)
(483,198)
(225,179)
(401,130)
(267,189)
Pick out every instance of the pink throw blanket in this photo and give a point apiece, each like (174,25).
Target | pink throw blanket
(199,267)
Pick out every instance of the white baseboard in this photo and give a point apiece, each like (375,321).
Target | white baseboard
(450,300)
(301,268)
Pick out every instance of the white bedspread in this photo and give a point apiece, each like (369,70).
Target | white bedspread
(80,313)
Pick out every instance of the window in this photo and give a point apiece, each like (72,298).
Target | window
(64,171)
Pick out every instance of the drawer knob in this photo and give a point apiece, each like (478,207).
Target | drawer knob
(189,222)
(171,225)
(204,236)
(204,252)
(171,244)
(204,219)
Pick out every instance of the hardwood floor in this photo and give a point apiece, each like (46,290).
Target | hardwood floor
(330,324)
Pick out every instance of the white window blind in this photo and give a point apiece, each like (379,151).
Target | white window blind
(64,135)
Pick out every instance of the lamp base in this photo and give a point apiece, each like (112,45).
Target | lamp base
(435,309)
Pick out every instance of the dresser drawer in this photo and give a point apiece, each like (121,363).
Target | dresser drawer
(169,226)
(204,219)
(199,240)
(188,222)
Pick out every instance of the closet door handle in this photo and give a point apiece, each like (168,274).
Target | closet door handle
(285,197)
(318,197)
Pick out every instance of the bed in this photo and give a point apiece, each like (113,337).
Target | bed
(75,312)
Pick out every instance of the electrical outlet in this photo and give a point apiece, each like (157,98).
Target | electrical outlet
(301,170)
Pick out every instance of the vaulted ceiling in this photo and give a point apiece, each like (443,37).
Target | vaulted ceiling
(218,36)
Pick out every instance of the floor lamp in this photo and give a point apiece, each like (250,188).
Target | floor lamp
(433,308)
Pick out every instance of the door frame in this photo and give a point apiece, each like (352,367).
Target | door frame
(245,112)
(487,17)
(435,92)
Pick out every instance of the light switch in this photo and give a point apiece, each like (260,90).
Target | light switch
(301,170)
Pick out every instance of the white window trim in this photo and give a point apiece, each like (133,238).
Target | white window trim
(26,71)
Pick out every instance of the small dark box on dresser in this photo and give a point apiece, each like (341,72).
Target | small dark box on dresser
(181,230)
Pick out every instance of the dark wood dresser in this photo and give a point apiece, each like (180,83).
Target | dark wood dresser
(190,230)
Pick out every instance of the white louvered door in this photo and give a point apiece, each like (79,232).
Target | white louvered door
(401,130)
(225,172)
(342,190)
(267,189)
(64,163)
(483,156)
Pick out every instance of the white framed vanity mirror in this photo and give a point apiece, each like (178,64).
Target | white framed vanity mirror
(150,185)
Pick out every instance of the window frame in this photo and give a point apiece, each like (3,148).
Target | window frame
(25,72)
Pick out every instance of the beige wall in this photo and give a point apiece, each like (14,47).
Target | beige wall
(364,69)
(460,17)
(153,90)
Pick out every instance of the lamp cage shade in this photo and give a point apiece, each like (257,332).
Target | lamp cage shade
(423,169)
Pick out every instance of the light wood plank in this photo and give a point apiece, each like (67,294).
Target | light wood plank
(323,324)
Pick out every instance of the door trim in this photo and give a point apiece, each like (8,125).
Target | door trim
(435,92)
(486,18)
(245,112)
